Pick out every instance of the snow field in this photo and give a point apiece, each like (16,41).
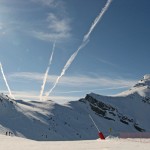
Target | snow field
(16,143)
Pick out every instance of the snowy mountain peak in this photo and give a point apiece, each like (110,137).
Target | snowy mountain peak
(147,77)
(142,87)
(145,82)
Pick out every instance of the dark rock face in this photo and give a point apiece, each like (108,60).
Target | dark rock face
(99,104)
(146,100)
(111,113)
(138,128)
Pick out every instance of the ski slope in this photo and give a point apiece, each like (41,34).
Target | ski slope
(16,143)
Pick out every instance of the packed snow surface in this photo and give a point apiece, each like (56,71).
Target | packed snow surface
(16,143)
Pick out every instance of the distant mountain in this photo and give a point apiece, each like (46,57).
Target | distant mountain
(126,112)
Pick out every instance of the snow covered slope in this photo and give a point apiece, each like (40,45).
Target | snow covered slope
(16,143)
(126,112)
(130,107)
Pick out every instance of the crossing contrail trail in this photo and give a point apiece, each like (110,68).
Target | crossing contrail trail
(47,70)
(5,80)
(84,43)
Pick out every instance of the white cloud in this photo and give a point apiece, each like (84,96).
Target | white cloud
(27,75)
(93,90)
(83,84)
(54,4)
(2,29)
(50,36)
(57,24)
(34,95)
(58,28)
(48,26)
(77,81)
(107,63)
(1,26)
(49,3)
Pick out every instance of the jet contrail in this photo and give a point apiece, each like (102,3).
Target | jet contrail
(64,69)
(6,81)
(84,42)
(97,19)
(46,73)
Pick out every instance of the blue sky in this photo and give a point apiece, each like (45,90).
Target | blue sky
(116,56)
